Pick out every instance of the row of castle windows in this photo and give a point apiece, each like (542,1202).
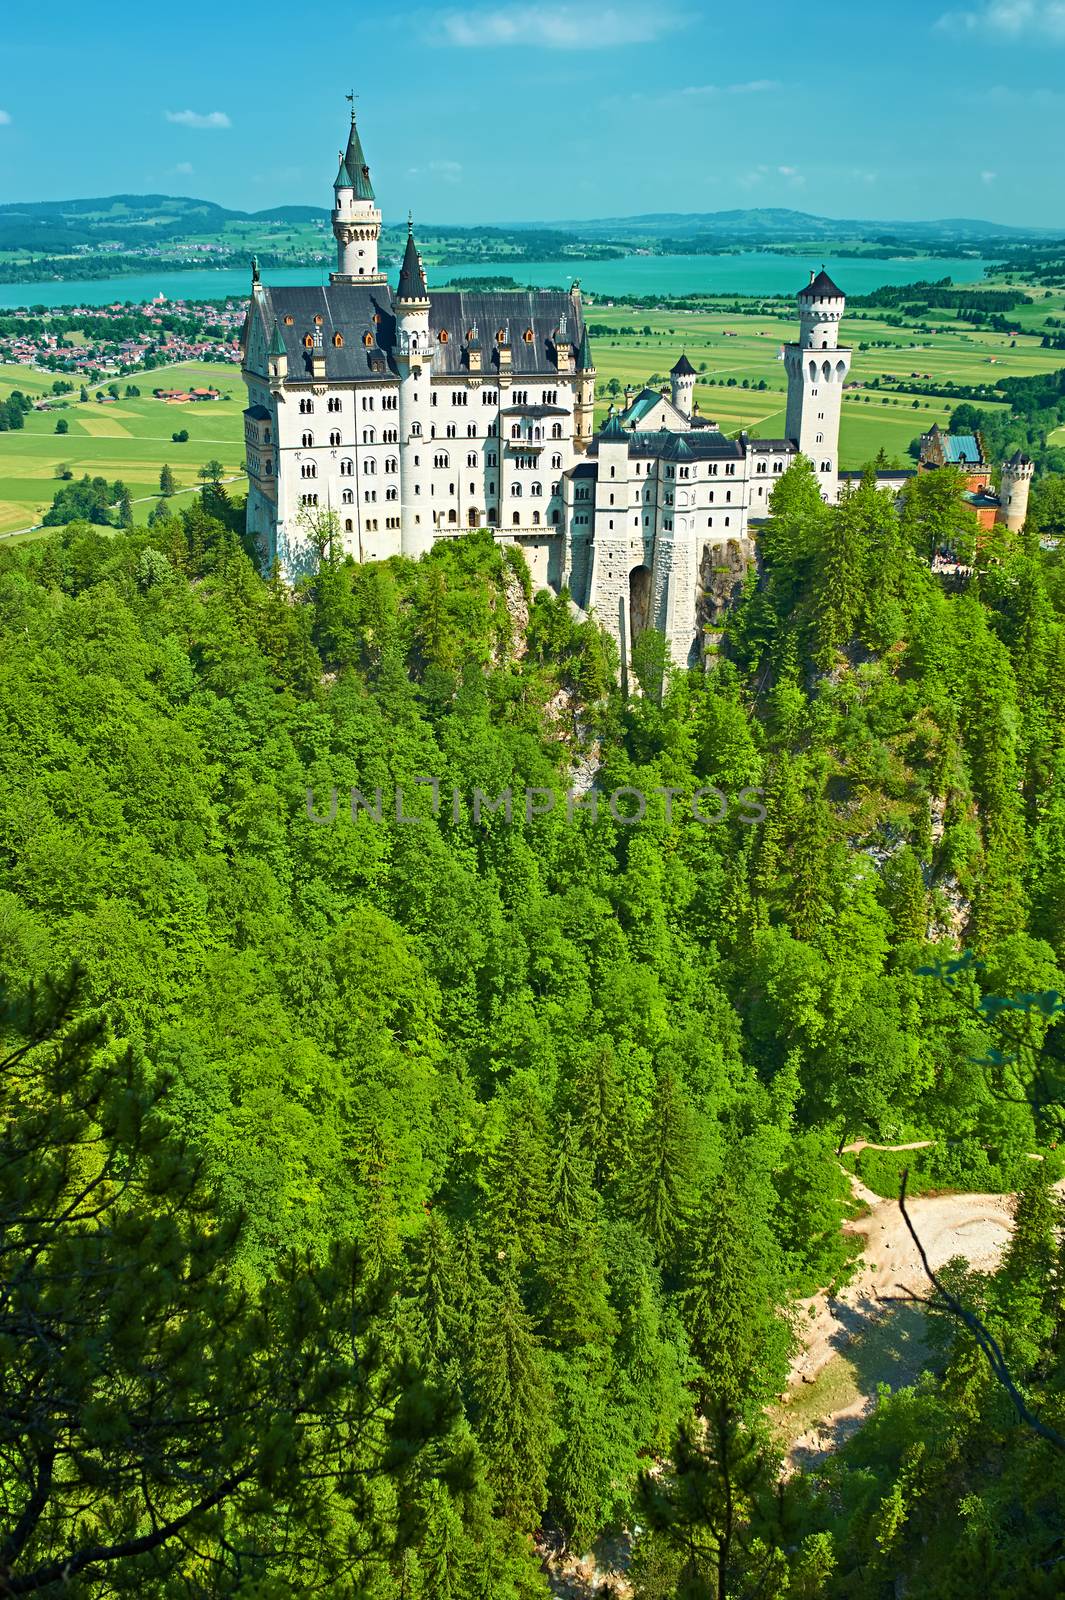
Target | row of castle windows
(459,397)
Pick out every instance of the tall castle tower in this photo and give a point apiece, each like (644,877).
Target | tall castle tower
(682,385)
(356,219)
(817,369)
(1014,489)
(414,358)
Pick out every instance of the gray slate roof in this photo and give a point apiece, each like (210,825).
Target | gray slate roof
(665,445)
(821,288)
(350,309)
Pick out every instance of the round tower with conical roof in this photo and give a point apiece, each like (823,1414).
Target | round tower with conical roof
(1014,489)
(356,219)
(414,359)
(817,369)
(584,411)
(682,386)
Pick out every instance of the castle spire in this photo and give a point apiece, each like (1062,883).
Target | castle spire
(412,284)
(355,161)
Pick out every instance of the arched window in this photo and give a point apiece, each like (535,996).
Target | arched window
(556,430)
(334,402)
(450,431)
(416,430)
(391,464)
(556,462)
(349,526)
(537,489)
(516,519)
(370,465)
(369,436)
(392,493)
(471,430)
(515,490)
(347,497)
(306,408)
(556,518)
(471,459)
(347,468)
(441,459)
(308,441)
(515,430)
(334,438)
(308,470)
(452,516)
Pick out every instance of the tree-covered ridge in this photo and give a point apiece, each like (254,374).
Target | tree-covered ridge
(571,1088)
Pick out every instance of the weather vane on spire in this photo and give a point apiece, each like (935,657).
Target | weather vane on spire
(351,98)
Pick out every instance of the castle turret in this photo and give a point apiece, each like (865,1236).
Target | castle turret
(817,369)
(584,414)
(414,358)
(1014,489)
(682,385)
(356,219)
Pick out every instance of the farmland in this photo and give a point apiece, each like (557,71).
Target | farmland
(742,347)
(129,439)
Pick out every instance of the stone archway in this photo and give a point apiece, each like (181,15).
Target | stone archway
(639,602)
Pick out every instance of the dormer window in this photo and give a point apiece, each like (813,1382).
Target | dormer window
(529,336)
(338,340)
(501,336)
(367,340)
(308,342)
(288,322)
(319,320)
(443,336)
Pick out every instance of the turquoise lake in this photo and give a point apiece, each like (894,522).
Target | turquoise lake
(755,272)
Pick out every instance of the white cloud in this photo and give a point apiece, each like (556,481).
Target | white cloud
(445,171)
(762,173)
(5,118)
(558,26)
(988,177)
(709,90)
(199,119)
(1013,19)
(184,169)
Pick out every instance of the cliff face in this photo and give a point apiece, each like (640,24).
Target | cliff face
(721,578)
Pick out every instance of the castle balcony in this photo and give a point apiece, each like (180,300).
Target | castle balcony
(526,443)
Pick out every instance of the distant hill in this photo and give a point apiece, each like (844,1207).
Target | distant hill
(141,219)
(779,223)
(126,219)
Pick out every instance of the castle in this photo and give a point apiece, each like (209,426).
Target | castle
(411,416)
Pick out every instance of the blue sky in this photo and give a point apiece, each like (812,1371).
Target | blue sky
(485,112)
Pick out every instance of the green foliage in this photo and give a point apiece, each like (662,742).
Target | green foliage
(570,1090)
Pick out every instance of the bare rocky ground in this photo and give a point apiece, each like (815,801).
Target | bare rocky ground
(866,1328)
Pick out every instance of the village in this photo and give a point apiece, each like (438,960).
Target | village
(99,342)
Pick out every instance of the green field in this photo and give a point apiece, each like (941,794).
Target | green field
(748,347)
(129,440)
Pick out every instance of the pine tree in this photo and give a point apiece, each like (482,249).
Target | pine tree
(721,1512)
(167,484)
(512,1405)
(661,1178)
(517,1174)
(729,1293)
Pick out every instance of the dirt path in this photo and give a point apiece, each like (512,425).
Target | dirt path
(861,1329)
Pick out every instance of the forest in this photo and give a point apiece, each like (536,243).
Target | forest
(383,1203)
